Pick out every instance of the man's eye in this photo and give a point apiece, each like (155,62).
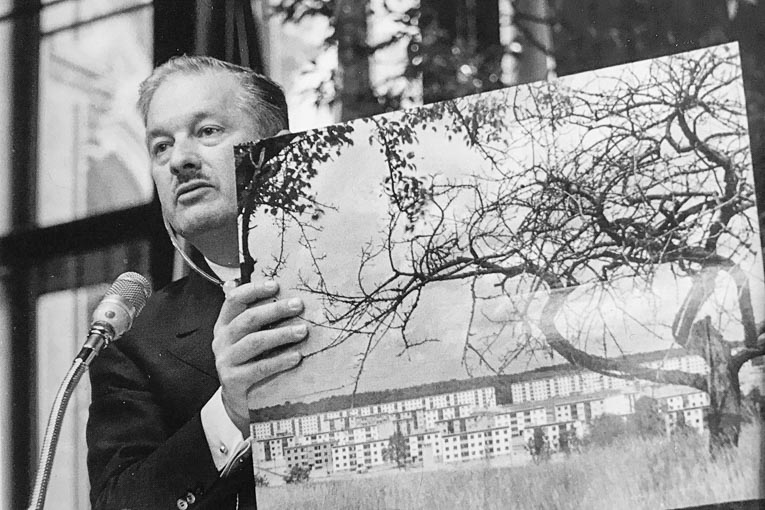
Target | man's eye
(209,131)
(159,148)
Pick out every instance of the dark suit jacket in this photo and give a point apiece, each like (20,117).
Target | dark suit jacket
(146,445)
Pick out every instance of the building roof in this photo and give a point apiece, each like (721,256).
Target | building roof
(668,391)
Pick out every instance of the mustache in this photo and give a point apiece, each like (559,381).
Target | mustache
(185,177)
(187,183)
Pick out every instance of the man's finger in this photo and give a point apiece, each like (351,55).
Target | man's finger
(258,317)
(264,368)
(255,344)
(240,298)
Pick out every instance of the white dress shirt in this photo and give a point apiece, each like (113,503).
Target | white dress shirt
(224,439)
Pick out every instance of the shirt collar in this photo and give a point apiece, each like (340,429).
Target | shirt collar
(223,272)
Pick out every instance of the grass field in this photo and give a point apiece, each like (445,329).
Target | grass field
(635,473)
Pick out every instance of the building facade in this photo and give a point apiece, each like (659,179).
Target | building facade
(469,425)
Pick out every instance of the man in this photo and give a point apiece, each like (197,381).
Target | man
(169,410)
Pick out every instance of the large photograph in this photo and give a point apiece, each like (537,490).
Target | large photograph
(541,296)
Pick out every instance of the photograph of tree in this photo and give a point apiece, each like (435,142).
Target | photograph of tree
(541,296)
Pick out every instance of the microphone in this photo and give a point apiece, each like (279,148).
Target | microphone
(111,319)
(114,315)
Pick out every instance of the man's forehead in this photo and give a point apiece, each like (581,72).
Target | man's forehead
(193,95)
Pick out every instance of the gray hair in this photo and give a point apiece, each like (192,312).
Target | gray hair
(260,95)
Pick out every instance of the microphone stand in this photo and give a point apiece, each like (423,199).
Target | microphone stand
(100,335)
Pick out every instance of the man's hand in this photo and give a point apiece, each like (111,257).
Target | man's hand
(241,340)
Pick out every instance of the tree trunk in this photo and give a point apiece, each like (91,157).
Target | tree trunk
(531,42)
(356,98)
(459,34)
(700,338)
(724,416)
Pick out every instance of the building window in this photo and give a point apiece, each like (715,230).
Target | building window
(91,151)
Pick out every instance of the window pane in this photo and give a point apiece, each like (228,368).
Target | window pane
(290,50)
(299,60)
(91,152)
(62,324)
(5,120)
(63,14)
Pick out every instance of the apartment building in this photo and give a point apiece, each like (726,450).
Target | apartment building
(420,410)
(683,405)
(576,382)
(469,425)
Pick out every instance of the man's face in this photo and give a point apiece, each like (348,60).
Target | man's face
(192,125)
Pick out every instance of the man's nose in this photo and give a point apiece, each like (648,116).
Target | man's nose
(185,156)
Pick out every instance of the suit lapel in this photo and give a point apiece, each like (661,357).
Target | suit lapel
(195,317)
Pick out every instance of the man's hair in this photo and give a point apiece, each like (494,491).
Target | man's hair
(260,95)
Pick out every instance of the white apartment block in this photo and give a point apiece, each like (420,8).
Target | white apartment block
(682,404)
(688,363)
(544,387)
(349,457)
(283,427)
(468,425)
(563,386)
(478,445)
(432,408)
(262,430)
(693,418)
(552,433)
(271,450)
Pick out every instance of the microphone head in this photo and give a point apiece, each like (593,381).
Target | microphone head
(133,288)
(121,304)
